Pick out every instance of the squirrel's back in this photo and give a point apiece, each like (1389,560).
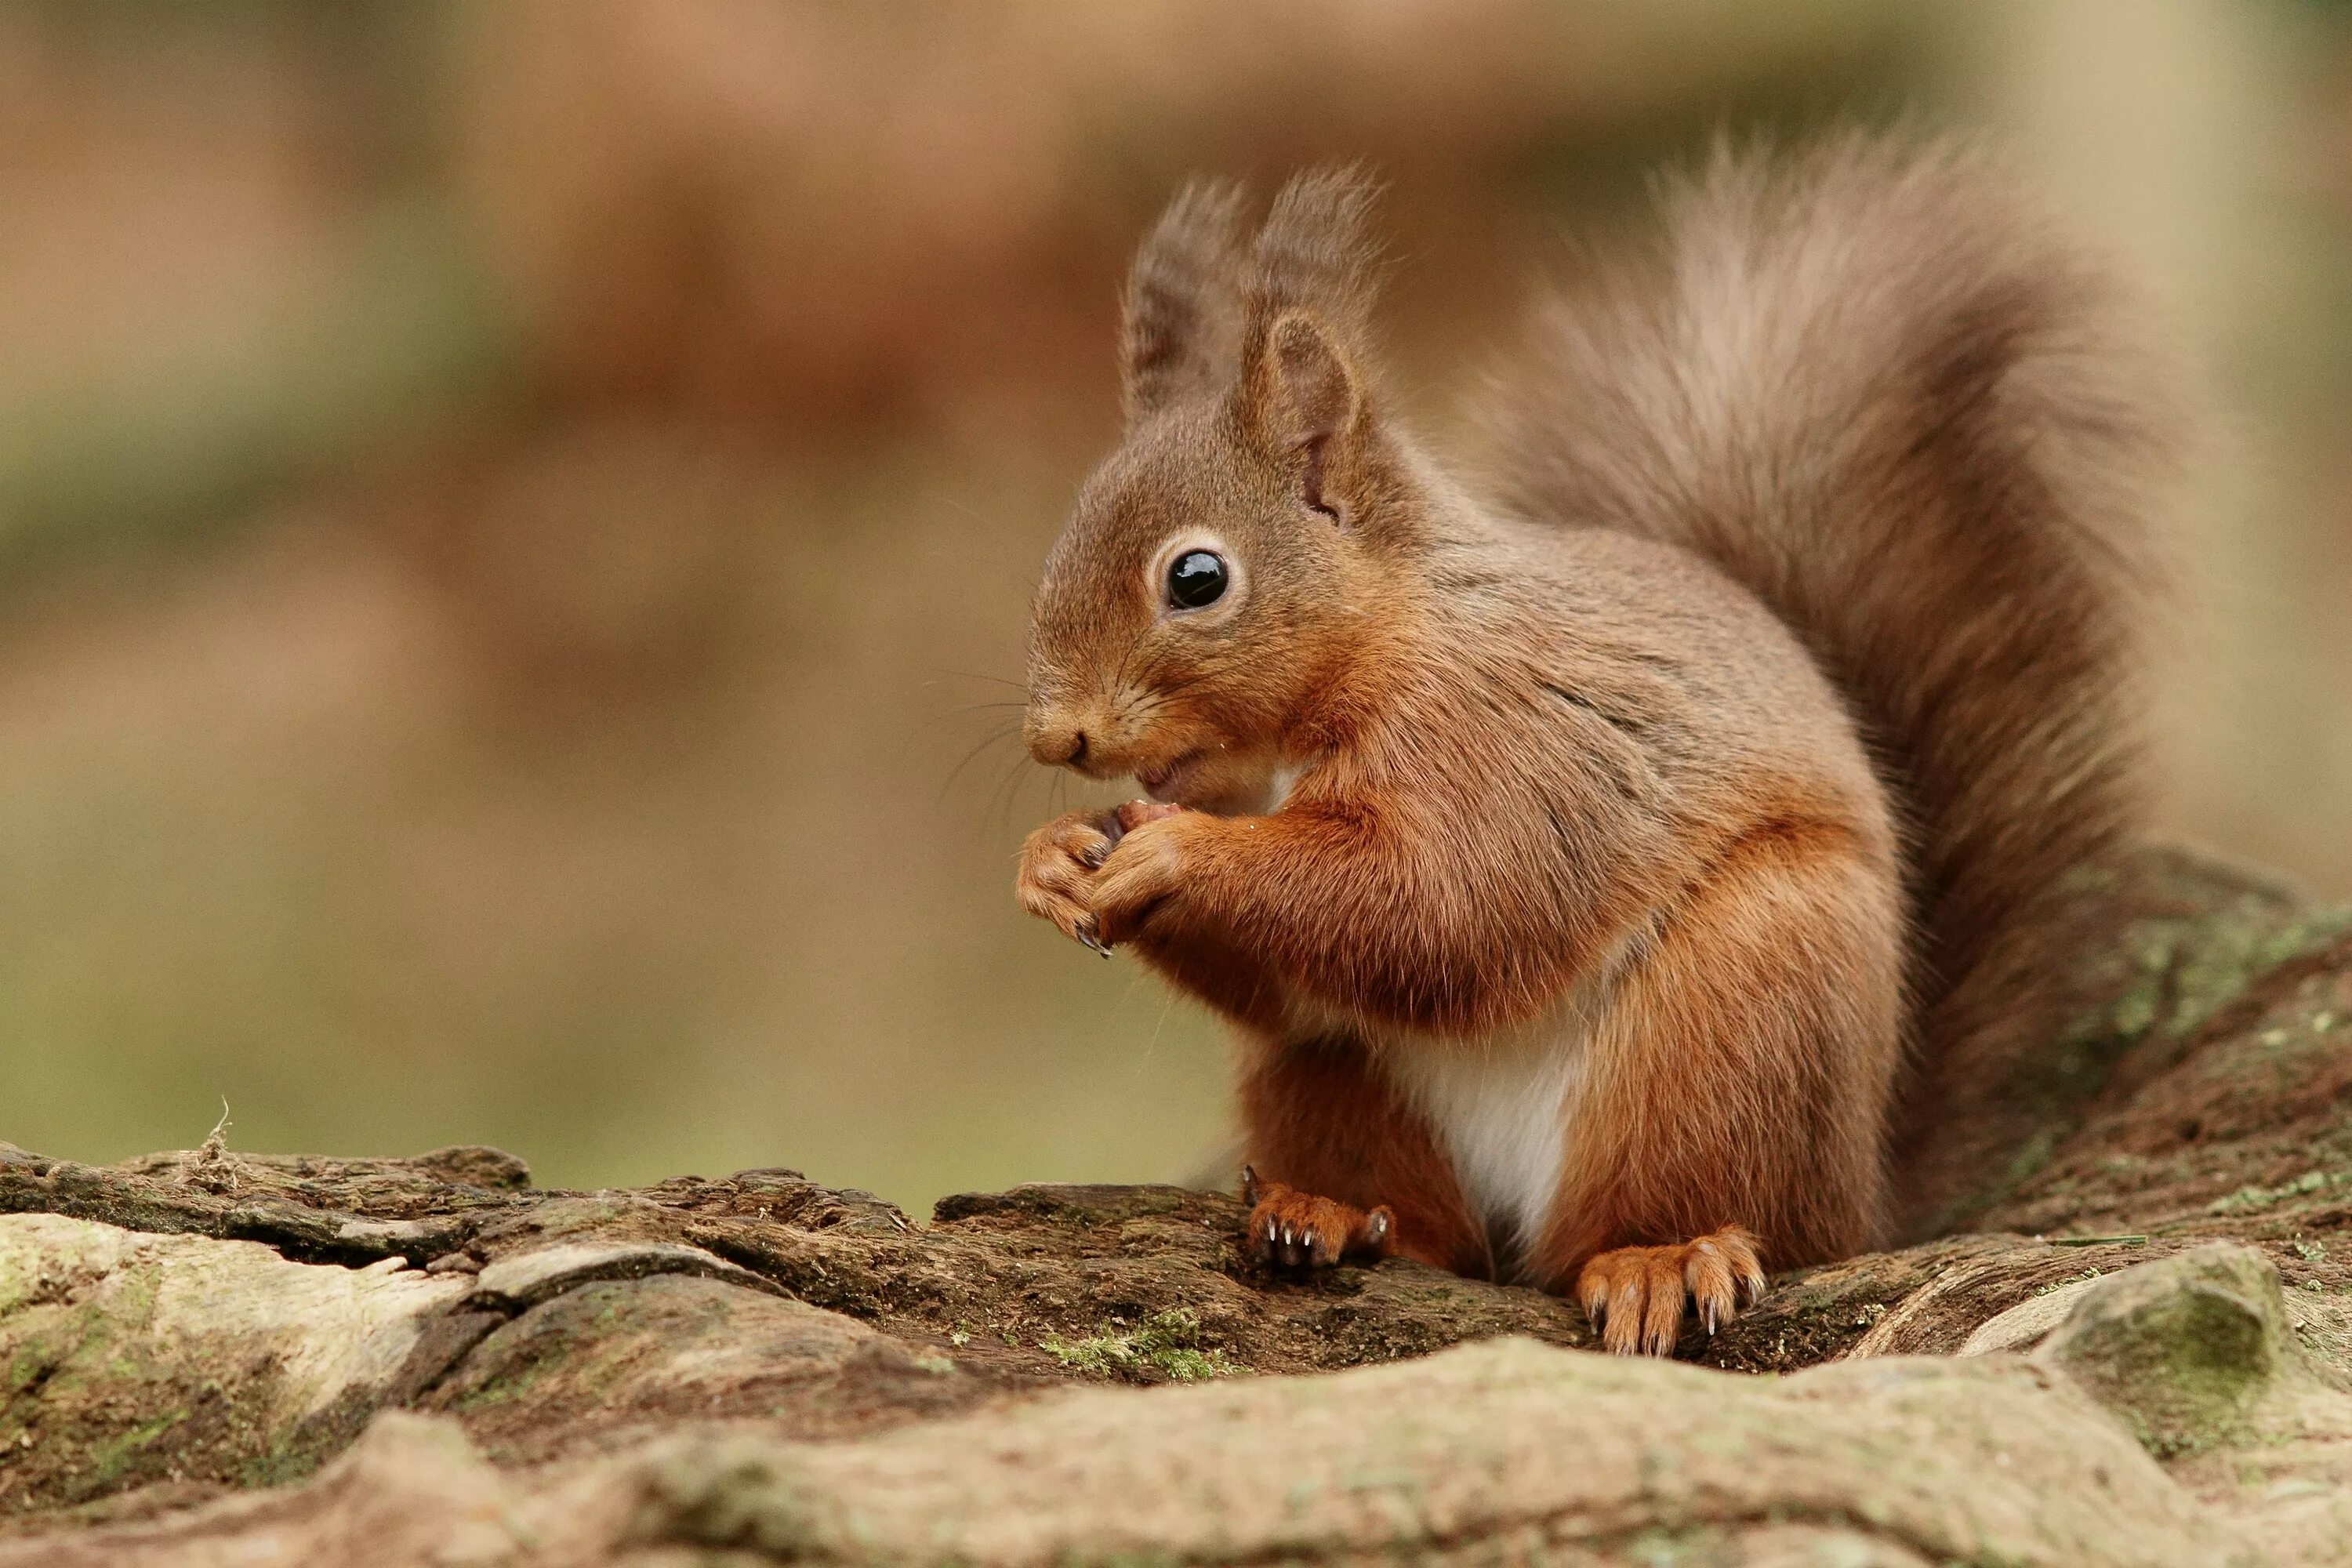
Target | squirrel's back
(1866,384)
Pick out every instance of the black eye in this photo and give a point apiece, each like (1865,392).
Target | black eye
(1196,578)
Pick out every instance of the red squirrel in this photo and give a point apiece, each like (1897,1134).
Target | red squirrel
(1609,855)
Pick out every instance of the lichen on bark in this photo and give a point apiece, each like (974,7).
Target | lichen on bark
(2130,1342)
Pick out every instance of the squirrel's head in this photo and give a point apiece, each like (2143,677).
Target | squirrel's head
(1254,525)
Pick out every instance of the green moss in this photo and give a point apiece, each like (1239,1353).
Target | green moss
(18,1282)
(2183,1349)
(2030,1158)
(2135,1014)
(2229,953)
(32,1364)
(282,1466)
(2188,970)
(2252,1200)
(1192,1366)
(2057,1285)
(516,1373)
(2164,978)
(510,1385)
(1167,1342)
(109,1456)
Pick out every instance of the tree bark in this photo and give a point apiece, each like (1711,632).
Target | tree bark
(2130,1342)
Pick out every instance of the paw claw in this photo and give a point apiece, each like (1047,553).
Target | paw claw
(1634,1296)
(1057,867)
(1291,1229)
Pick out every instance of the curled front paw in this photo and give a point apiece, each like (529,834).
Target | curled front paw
(1144,873)
(1291,1229)
(1634,1294)
(1058,865)
(1062,866)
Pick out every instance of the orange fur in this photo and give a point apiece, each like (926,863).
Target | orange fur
(1576,860)
(1319,1124)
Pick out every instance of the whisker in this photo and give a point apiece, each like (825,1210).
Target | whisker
(1151,1046)
(1007,793)
(1126,661)
(1020,686)
(1005,733)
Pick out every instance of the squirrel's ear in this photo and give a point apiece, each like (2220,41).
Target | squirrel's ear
(1303,400)
(1307,313)
(1179,316)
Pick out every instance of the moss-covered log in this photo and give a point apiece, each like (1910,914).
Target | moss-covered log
(2140,1308)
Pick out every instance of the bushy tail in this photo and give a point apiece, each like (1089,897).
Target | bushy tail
(1868,385)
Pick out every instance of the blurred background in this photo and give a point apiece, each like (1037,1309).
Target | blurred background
(516,519)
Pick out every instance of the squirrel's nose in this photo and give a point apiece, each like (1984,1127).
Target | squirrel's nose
(1057,744)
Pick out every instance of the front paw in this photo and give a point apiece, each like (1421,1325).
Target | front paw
(1634,1294)
(1291,1229)
(1058,866)
(1143,877)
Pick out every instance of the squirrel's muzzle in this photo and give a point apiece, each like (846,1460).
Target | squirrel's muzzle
(1054,739)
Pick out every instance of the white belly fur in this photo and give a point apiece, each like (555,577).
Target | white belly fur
(1500,1107)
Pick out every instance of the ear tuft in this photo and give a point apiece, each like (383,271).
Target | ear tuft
(1314,252)
(1307,323)
(1180,317)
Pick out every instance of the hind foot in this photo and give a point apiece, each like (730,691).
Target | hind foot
(1634,1294)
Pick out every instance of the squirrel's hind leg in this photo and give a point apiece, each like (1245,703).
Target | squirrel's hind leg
(1332,1150)
(1736,1092)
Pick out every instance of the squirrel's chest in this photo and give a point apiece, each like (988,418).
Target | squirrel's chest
(1499,1107)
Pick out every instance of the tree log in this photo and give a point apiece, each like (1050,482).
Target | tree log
(2130,1342)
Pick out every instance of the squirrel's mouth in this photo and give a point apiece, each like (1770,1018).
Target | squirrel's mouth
(1166,781)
